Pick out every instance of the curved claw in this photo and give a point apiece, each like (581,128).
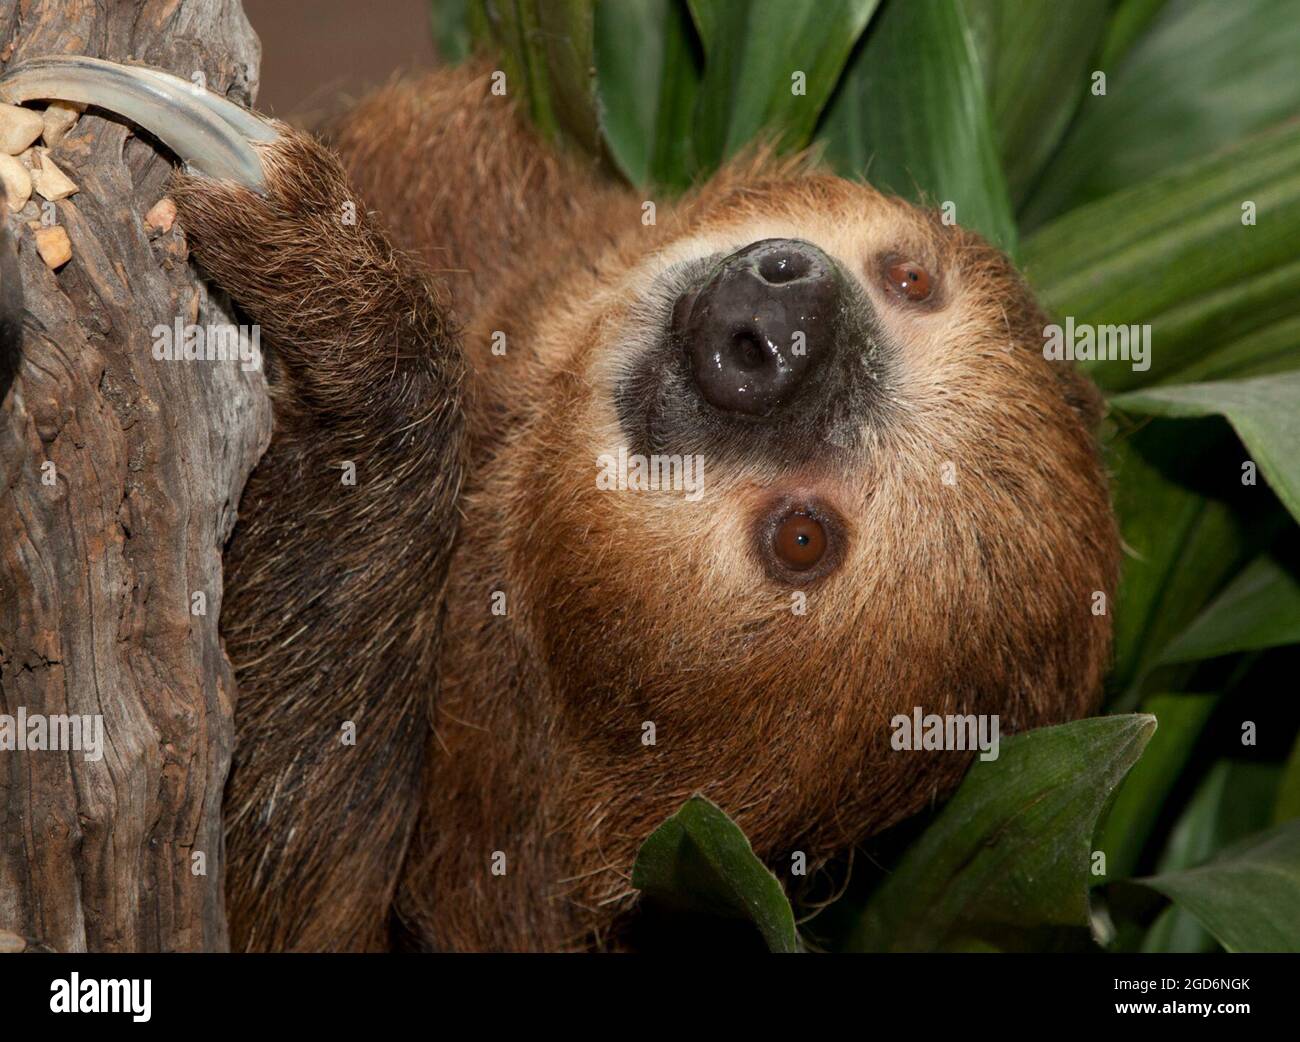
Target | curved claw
(208,132)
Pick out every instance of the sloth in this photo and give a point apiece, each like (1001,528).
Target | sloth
(901,507)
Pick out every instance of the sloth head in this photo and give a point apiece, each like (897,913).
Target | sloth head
(787,466)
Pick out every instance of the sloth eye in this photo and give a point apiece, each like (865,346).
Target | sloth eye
(799,541)
(907,279)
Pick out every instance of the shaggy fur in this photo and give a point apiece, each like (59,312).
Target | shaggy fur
(622,608)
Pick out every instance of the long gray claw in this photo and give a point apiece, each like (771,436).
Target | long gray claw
(210,134)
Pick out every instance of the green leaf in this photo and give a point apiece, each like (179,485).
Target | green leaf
(1265,413)
(1231,802)
(649,76)
(1129,24)
(911,116)
(1142,795)
(1268,349)
(547,47)
(752,51)
(1034,58)
(1287,805)
(1012,849)
(1203,76)
(1259,609)
(1173,253)
(1249,896)
(699,860)
(1176,931)
(1181,546)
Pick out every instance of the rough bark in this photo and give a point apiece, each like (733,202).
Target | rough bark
(99,569)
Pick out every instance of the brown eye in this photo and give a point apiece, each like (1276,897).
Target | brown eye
(908,280)
(800,542)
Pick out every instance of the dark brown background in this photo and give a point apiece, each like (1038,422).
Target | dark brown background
(316,52)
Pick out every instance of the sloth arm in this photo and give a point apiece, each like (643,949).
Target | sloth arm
(333,590)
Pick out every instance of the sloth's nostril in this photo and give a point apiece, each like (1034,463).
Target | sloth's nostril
(784,266)
(747,352)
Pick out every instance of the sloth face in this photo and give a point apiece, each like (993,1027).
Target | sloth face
(795,468)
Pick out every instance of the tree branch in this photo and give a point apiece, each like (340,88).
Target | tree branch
(119,478)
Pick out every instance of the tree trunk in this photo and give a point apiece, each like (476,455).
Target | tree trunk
(119,478)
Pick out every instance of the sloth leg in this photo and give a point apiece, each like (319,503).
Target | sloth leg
(335,576)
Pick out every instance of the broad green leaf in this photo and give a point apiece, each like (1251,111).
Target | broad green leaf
(1203,76)
(911,117)
(1129,23)
(1181,545)
(648,73)
(1287,805)
(699,860)
(1173,253)
(1142,795)
(1249,896)
(1231,803)
(1259,609)
(1034,58)
(1013,848)
(1265,413)
(1273,348)
(1176,931)
(547,47)
(754,52)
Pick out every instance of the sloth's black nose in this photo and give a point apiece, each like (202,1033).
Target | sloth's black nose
(761,325)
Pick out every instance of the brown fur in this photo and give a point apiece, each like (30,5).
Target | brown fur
(332,592)
(622,607)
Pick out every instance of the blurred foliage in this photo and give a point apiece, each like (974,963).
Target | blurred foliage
(1141,159)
